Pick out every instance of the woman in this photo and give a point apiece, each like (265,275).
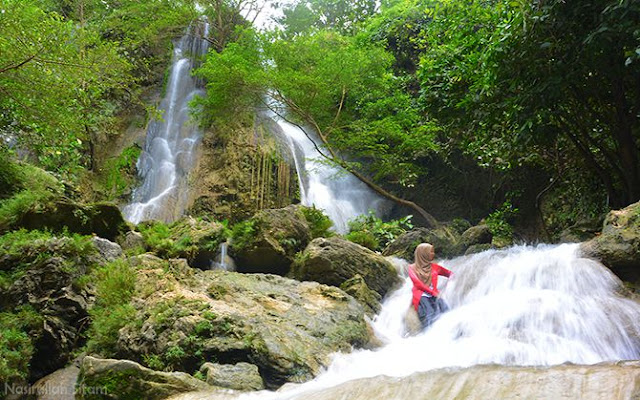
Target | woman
(424,275)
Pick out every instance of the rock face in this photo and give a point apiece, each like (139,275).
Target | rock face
(241,376)
(288,329)
(124,379)
(46,272)
(334,261)
(271,240)
(592,382)
(618,246)
(101,219)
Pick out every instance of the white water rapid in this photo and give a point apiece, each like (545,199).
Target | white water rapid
(524,306)
(171,146)
(337,192)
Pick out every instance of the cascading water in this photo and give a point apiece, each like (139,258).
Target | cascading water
(337,192)
(524,306)
(171,146)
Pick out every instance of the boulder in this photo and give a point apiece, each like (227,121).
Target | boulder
(124,379)
(476,235)
(108,250)
(370,299)
(333,261)
(286,328)
(446,241)
(270,239)
(618,246)
(241,376)
(196,240)
(102,219)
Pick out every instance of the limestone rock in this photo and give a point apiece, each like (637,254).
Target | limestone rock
(286,328)
(102,219)
(618,246)
(241,376)
(270,245)
(124,379)
(358,288)
(333,261)
(107,249)
(132,240)
(476,235)
(618,381)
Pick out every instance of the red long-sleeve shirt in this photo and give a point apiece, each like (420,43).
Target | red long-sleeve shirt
(420,287)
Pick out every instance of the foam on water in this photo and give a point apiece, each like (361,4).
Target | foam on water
(526,305)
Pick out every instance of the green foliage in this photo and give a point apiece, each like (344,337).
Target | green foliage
(183,238)
(363,238)
(344,16)
(120,172)
(115,285)
(18,331)
(25,246)
(30,188)
(243,234)
(371,232)
(235,81)
(318,222)
(498,221)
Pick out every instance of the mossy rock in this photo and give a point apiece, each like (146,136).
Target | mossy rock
(269,240)
(334,261)
(618,246)
(125,379)
(196,240)
(102,219)
(287,328)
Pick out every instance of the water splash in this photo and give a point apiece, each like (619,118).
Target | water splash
(524,306)
(171,146)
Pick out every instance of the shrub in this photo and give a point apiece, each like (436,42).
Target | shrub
(18,330)
(370,231)
(115,285)
(318,222)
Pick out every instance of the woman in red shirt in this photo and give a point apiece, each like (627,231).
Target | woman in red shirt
(424,275)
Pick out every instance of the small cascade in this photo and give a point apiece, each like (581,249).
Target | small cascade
(337,192)
(523,306)
(222,260)
(171,148)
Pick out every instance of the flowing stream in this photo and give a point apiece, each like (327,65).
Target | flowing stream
(171,147)
(330,188)
(524,306)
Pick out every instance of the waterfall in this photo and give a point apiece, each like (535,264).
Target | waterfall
(171,146)
(337,192)
(523,306)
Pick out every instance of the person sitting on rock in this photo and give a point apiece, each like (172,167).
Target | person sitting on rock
(424,276)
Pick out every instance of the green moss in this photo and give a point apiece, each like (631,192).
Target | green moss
(243,234)
(18,331)
(183,238)
(28,188)
(115,285)
(23,249)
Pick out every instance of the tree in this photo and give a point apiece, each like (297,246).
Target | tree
(340,87)
(343,16)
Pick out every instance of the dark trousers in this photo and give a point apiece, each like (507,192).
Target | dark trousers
(429,309)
